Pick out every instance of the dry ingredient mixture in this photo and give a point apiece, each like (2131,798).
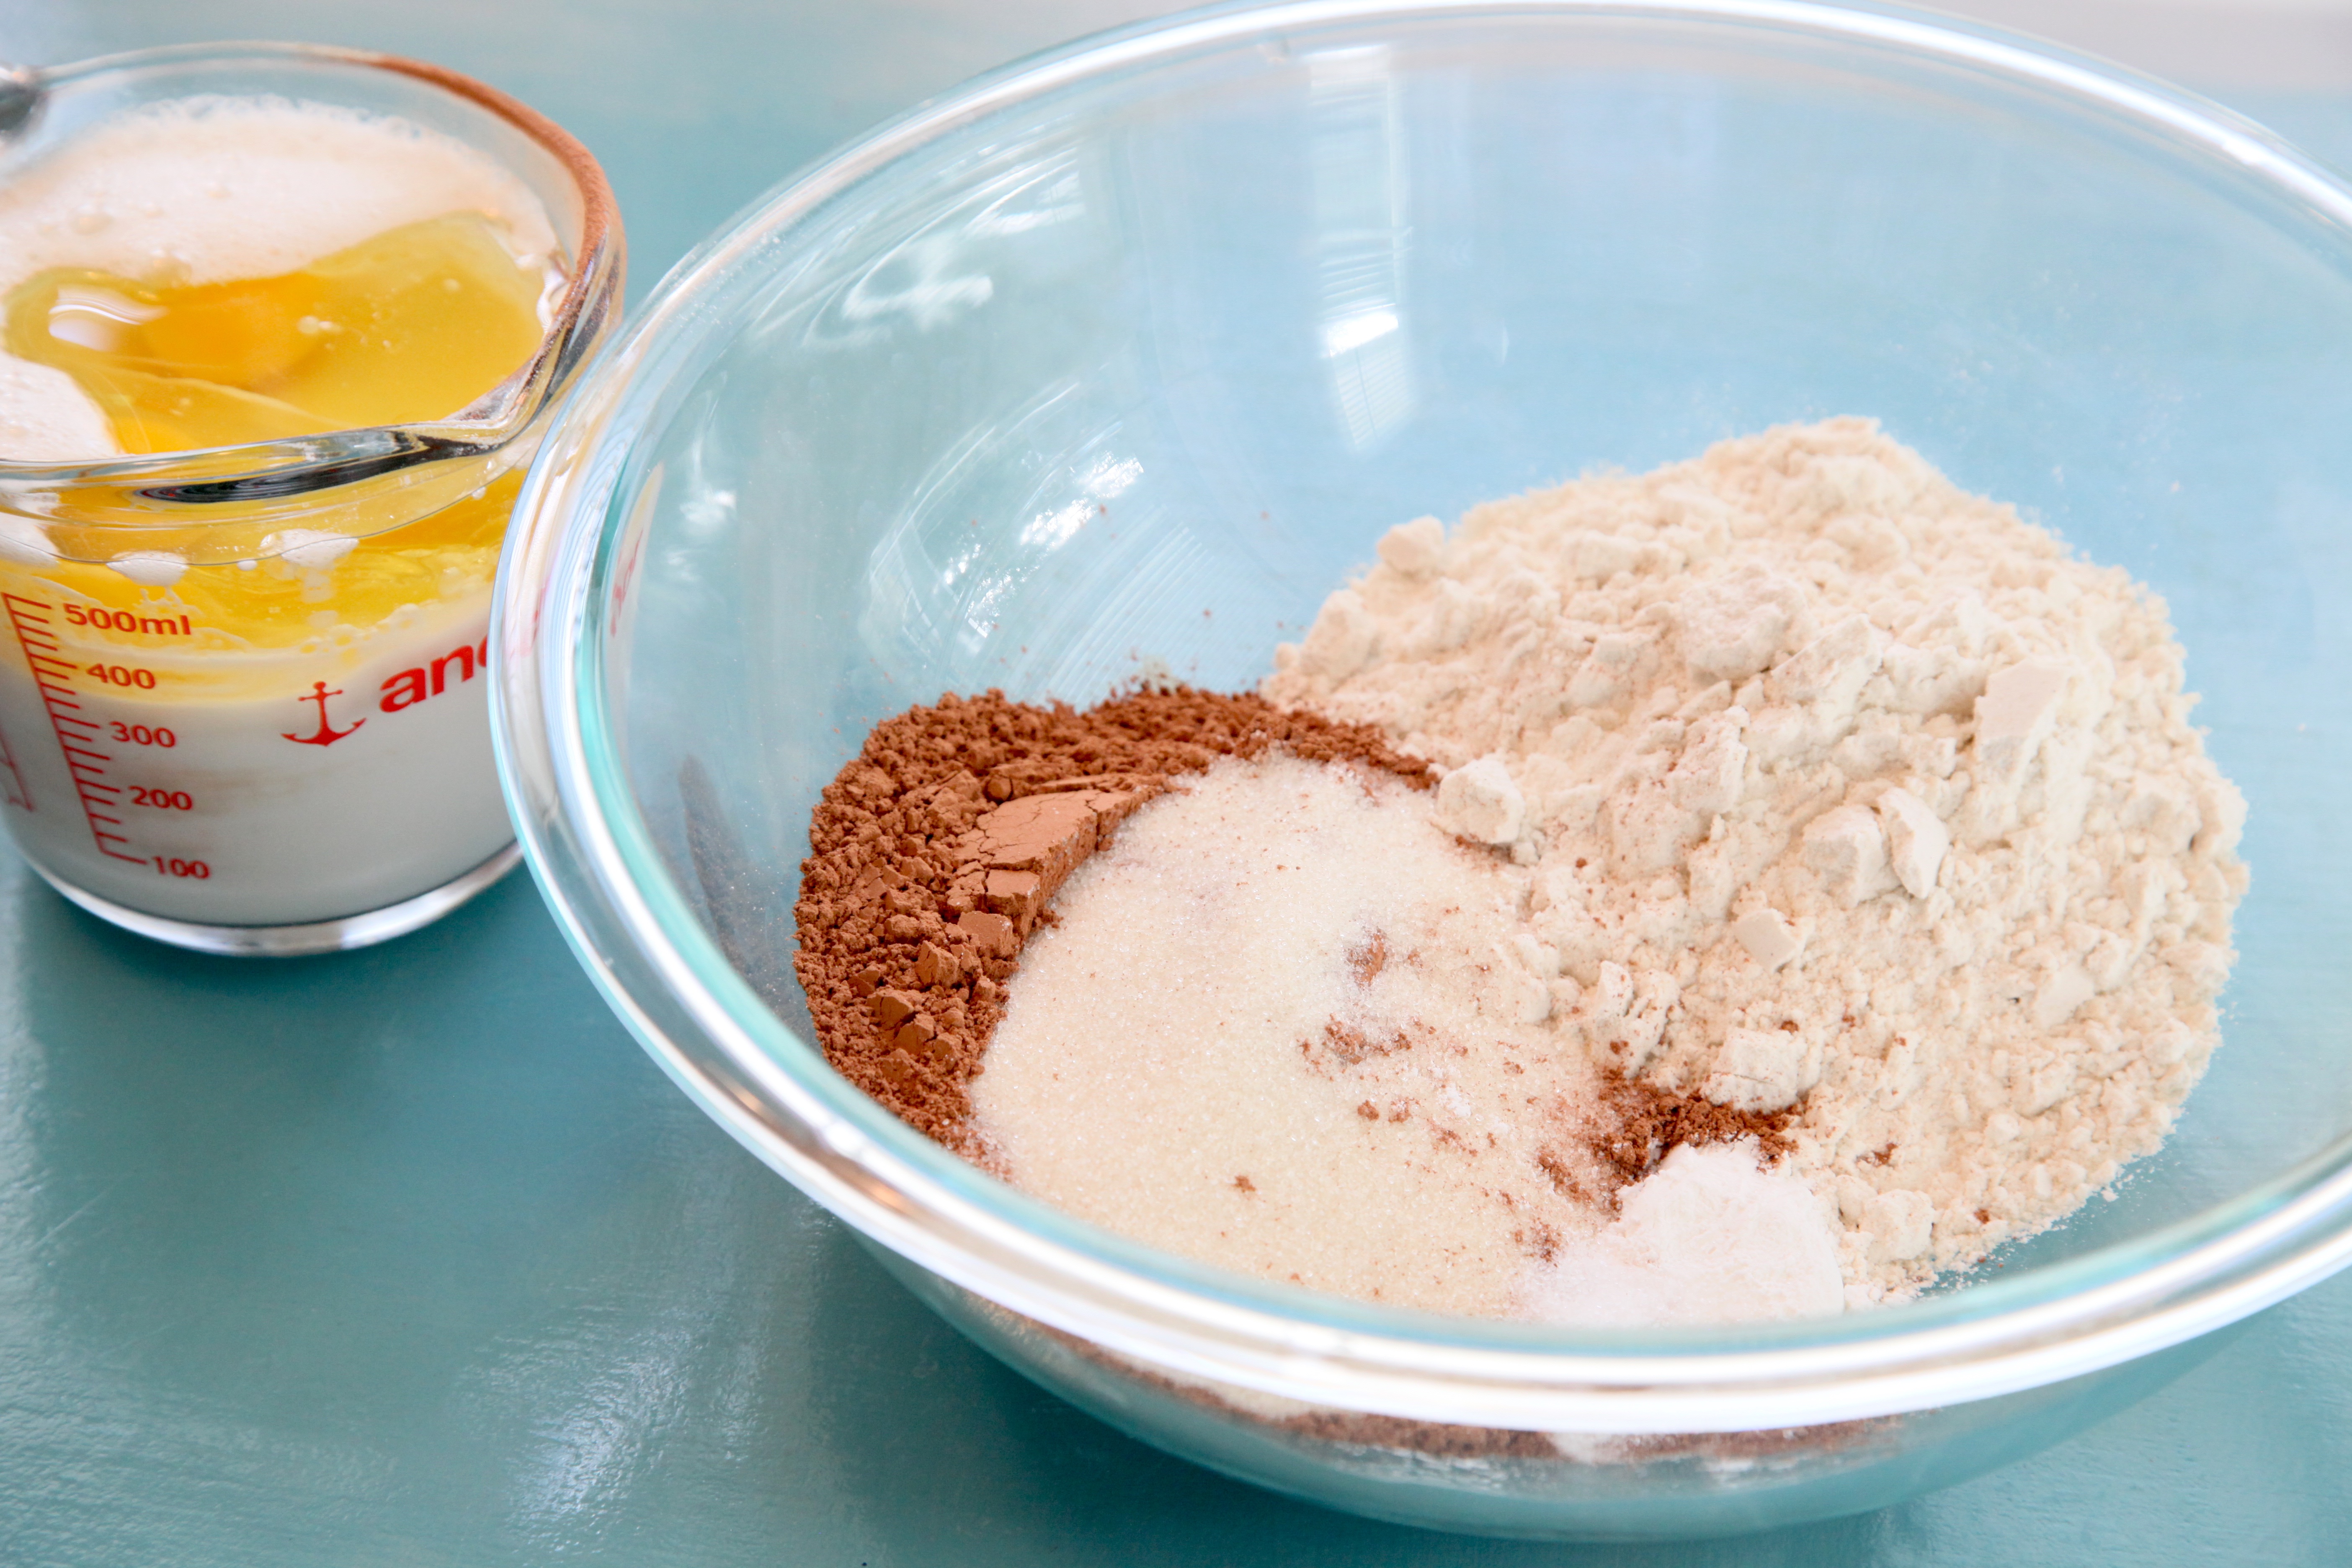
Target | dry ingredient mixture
(1280,1028)
(937,850)
(1822,884)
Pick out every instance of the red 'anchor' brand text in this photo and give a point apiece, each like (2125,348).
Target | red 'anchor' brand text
(457,667)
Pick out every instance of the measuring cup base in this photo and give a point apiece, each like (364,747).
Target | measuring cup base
(340,935)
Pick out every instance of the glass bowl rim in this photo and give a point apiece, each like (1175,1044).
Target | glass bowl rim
(597,863)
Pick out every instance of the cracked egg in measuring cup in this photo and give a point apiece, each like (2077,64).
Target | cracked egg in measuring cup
(244,689)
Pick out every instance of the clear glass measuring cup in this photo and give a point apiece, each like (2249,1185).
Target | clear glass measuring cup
(243,689)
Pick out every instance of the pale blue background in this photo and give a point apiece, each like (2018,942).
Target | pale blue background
(412,1257)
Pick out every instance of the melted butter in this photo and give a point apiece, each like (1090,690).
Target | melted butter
(275,605)
(414,324)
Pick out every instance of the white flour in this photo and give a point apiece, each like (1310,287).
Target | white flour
(1830,785)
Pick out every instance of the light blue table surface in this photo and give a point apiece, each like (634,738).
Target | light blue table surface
(410,1257)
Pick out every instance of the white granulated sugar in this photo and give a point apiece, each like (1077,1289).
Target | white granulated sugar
(210,190)
(1275,1028)
(1836,787)
(1271,1030)
(1710,1236)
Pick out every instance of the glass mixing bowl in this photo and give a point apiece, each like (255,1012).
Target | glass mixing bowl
(1177,320)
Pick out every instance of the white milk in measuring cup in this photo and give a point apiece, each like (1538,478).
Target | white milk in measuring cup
(158,759)
(295,730)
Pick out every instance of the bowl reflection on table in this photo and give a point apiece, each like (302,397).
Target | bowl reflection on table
(1121,360)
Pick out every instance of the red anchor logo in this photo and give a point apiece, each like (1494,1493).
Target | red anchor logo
(328,735)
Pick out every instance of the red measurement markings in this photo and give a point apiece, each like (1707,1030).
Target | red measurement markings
(132,621)
(76,733)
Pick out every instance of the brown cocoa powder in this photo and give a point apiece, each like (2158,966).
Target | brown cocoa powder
(938,849)
(1639,1123)
(1356,1429)
(1322,1429)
